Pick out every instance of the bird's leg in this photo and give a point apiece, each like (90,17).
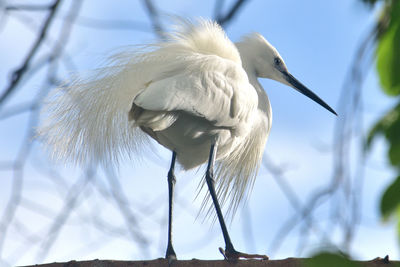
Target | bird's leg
(229,253)
(210,182)
(170,254)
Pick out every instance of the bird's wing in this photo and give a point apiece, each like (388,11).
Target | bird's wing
(207,86)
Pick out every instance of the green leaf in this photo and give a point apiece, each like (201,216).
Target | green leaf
(394,152)
(329,259)
(388,125)
(379,128)
(390,201)
(388,53)
(370,2)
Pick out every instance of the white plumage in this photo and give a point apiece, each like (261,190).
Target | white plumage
(189,92)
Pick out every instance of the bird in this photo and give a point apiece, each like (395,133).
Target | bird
(195,92)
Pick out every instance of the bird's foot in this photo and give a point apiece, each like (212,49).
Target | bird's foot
(171,259)
(233,255)
(170,255)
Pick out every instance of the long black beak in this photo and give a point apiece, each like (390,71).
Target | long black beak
(305,91)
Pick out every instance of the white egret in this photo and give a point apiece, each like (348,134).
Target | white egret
(195,93)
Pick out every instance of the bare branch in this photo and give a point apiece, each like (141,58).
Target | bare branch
(302,212)
(29,7)
(19,73)
(16,110)
(344,188)
(218,7)
(154,18)
(224,20)
(130,218)
(60,220)
(112,24)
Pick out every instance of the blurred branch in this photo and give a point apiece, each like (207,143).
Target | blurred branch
(29,7)
(112,24)
(69,204)
(16,110)
(15,199)
(344,190)
(154,18)
(17,181)
(18,74)
(303,212)
(6,165)
(233,11)
(247,229)
(219,5)
(347,128)
(130,218)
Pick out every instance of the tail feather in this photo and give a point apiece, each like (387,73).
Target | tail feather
(87,119)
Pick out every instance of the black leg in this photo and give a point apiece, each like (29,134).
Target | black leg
(210,182)
(170,254)
(229,253)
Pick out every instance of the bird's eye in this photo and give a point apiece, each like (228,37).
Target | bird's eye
(277,61)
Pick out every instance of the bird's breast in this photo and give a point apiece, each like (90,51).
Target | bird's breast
(191,138)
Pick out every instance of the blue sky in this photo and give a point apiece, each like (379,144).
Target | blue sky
(317,40)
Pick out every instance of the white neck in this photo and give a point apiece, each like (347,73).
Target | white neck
(263,101)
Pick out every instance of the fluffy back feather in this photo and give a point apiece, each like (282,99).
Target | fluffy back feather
(205,37)
(86,120)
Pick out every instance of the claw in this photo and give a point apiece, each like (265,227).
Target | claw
(171,259)
(235,255)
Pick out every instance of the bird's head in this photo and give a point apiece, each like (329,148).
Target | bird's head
(261,59)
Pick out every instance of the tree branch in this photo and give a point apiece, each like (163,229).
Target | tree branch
(19,73)
(289,262)
(29,7)
(154,17)
(231,13)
